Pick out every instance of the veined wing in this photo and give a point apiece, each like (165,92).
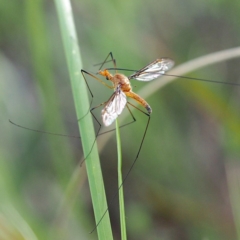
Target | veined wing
(153,70)
(114,106)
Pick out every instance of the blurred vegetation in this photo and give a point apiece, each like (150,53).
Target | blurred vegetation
(185,183)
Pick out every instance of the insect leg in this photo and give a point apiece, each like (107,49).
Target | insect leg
(131,167)
(145,131)
(96,78)
(64,135)
(99,128)
(106,61)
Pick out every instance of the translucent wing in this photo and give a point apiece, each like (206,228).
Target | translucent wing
(114,106)
(153,70)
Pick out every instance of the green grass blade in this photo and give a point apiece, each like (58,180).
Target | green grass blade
(81,100)
(120,181)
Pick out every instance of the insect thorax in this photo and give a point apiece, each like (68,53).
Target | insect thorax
(123,81)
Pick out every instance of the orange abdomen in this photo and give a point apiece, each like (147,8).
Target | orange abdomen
(139,100)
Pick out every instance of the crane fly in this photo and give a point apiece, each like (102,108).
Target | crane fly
(121,85)
(117,102)
(123,89)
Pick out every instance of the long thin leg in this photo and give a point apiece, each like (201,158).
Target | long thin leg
(64,135)
(99,80)
(106,60)
(96,78)
(99,128)
(105,84)
(43,132)
(93,76)
(100,125)
(131,167)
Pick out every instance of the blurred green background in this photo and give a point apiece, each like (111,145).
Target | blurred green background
(185,182)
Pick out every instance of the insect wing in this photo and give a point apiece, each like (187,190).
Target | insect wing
(114,107)
(153,70)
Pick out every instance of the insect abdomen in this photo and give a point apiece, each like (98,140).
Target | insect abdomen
(139,100)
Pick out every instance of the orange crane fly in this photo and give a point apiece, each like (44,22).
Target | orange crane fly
(122,88)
